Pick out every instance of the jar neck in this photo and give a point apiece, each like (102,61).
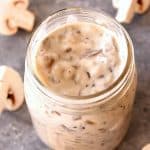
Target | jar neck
(86,16)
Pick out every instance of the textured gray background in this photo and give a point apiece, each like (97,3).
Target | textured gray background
(16,131)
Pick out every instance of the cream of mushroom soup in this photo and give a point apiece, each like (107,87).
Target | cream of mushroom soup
(79,59)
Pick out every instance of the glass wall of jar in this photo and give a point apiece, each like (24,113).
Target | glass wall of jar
(97,121)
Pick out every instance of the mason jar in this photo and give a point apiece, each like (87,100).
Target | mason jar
(92,122)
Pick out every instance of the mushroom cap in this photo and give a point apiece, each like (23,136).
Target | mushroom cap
(6,13)
(17,3)
(6,29)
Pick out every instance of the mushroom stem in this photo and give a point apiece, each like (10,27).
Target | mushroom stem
(22,18)
(126,10)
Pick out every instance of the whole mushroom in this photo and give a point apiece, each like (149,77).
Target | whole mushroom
(14,15)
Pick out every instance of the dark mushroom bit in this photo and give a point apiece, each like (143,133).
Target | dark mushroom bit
(73,66)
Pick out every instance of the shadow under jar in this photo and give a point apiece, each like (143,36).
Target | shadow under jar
(98,121)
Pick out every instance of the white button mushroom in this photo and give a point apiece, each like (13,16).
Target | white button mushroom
(127,8)
(14,14)
(11,89)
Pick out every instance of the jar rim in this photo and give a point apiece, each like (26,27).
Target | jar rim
(88,99)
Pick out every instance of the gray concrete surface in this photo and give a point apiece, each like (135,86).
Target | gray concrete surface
(16,131)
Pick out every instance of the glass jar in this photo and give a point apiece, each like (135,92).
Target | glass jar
(98,121)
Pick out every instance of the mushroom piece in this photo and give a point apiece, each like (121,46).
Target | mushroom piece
(57,71)
(146,147)
(19,3)
(13,14)
(81,77)
(127,8)
(142,6)
(11,89)
(115,3)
